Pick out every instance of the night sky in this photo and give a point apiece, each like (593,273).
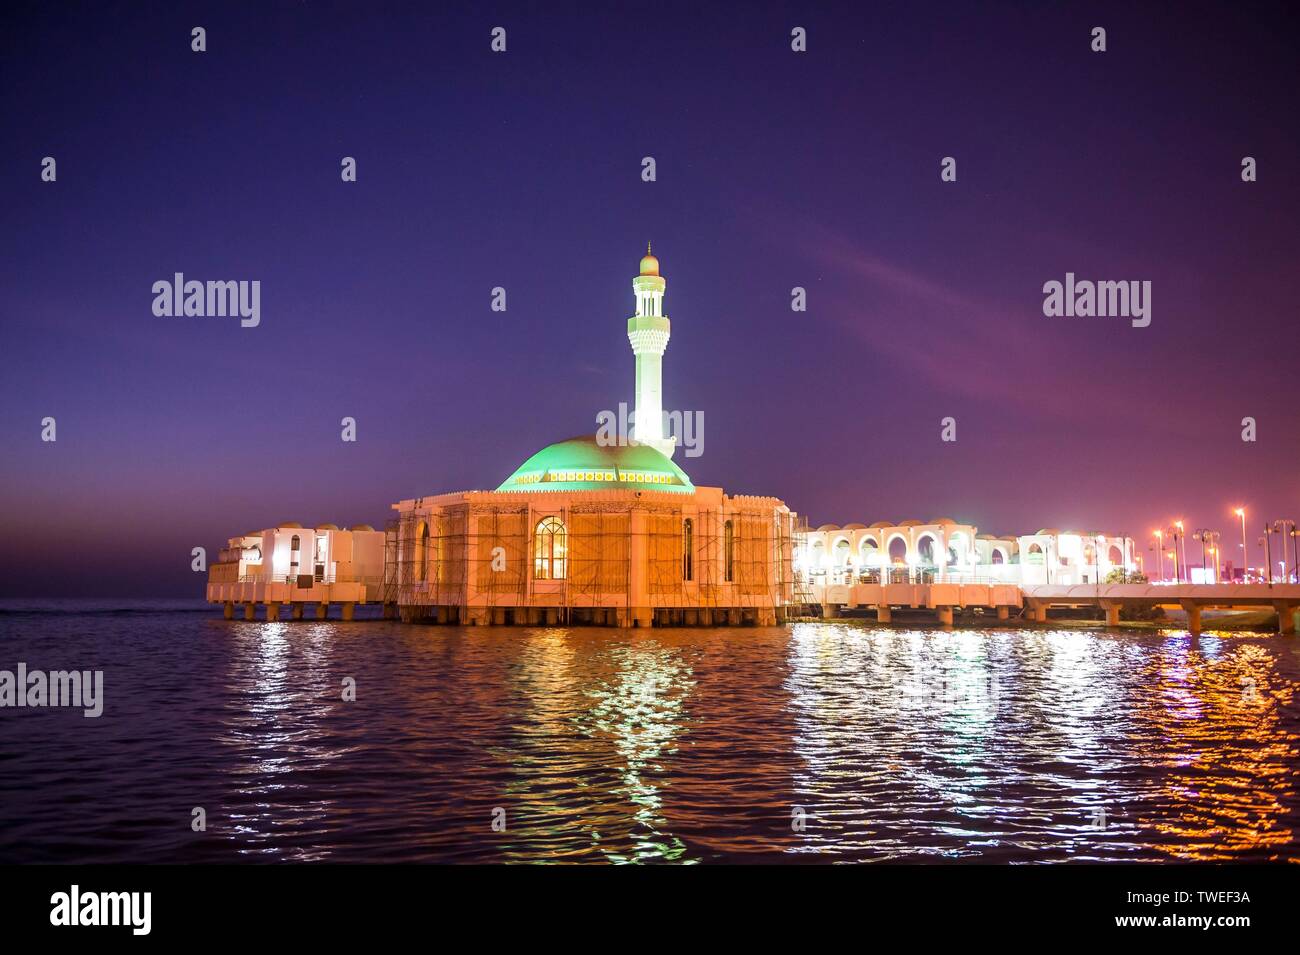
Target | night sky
(523,170)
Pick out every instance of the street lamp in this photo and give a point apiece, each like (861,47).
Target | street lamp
(1160,549)
(1183,538)
(1245,558)
(1286,527)
(1206,536)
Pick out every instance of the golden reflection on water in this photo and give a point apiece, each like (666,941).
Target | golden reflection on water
(684,746)
(627,719)
(1231,761)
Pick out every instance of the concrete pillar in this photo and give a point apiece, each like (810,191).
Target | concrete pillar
(250,611)
(272,610)
(552,616)
(1112,612)
(884,613)
(643,617)
(295,611)
(228,611)
(1038,612)
(692,618)
(945,615)
(390,611)
(499,617)
(830,611)
(1193,616)
(1004,612)
(349,609)
(1285,618)
(322,611)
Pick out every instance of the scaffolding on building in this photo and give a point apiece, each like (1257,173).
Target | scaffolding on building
(717,565)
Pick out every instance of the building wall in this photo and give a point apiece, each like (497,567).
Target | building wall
(624,550)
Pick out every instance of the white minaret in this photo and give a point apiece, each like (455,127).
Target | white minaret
(648,331)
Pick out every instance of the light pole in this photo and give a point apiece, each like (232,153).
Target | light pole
(1245,559)
(1160,549)
(1183,538)
(1267,541)
(1286,527)
(1207,536)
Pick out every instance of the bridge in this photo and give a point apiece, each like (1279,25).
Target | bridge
(1034,600)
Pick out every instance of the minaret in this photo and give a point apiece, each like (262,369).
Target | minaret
(648,331)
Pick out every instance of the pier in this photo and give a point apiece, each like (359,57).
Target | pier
(1032,601)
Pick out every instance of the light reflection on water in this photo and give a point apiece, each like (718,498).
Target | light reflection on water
(662,745)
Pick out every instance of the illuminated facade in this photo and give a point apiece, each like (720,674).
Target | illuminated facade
(595,531)
(291,565)
(942,550)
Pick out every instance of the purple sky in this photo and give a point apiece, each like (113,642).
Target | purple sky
(522,170)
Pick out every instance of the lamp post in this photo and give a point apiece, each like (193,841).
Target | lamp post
(1245,559)
(1286,527)
(1211,538)
(1160,549)
(1175,534)
(1266,540)
(1182,536)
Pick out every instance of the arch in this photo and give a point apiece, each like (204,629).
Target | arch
(295,556)
(842,553)
(868,551)
(817,557)
(997,556)
(898,555)
(550,548)
(927,544)
(1115,555)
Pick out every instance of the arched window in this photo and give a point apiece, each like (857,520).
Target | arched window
(550,545)
(997,557)
(422,552)
(295,549)
(688,549)
(729,551)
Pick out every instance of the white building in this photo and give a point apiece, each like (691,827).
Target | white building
(942,550)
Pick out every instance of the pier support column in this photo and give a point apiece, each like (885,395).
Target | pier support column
(552,616)
(1112,612)
(1285,618)
(1004,612)
(643,617)
(945,615)
(884,613)
(228,611)
(250,611)
(1193,616)
(1038,612)
(390,611)
(830,611)
(272,610)
(322,611)
(295,611)
(349,610)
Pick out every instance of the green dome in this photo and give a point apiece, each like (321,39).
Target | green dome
(580,464)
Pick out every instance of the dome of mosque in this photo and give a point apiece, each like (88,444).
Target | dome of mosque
(584,464)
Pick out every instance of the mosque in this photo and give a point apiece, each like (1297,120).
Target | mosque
(607,529)
(599,529)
